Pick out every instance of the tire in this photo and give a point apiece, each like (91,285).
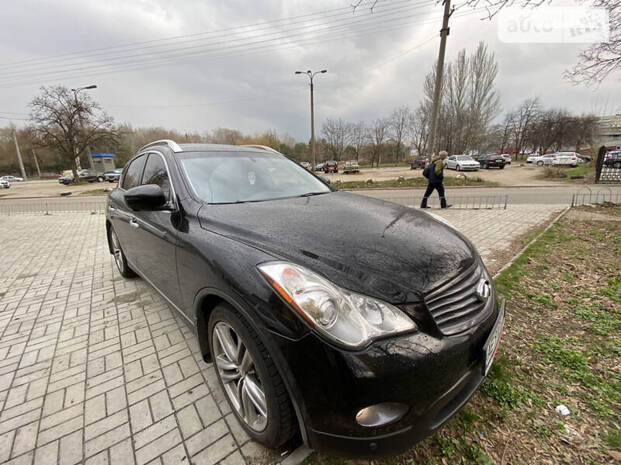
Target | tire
(502,167)
(458,168)
(100,179)
(277,425)
(539,163)
(119,256)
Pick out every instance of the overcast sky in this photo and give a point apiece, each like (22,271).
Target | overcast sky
(217,73)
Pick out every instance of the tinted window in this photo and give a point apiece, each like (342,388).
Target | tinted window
(134,173)
(155,173)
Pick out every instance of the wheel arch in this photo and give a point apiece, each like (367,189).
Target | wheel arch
(205,302)
(108,228)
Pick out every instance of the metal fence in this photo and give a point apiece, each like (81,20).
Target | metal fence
(50,206)
(463,202)
(590,197)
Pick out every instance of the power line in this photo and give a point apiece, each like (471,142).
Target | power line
(346,9)
(227,42)
(107,69)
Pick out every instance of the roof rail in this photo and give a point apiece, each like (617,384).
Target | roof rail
(170,143)
(263,147)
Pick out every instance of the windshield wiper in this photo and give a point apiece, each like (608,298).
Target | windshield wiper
(310,194)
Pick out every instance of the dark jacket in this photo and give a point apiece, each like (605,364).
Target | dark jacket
(436,170)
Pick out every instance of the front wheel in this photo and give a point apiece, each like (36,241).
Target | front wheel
(458,168)
(539,163)
(249,378)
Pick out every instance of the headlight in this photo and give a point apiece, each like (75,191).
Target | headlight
(344,317)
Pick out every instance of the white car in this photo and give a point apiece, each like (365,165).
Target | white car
(506,157)
(5,183)
(305,164)
(462,163)
(533,158)
(542,159)
(565,158)
(12,178)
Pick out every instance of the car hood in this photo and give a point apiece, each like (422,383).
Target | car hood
(369,246)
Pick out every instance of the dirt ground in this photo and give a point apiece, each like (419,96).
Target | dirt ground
(48,188)
(513,175)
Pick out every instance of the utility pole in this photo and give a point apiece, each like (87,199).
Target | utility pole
(19,155)
(444,32)
(311,75)
(34,155)
(88,149)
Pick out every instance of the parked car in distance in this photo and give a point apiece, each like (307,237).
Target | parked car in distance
(418,163)
(533,158)
(506,157)
(613,159)
(361,347)
(565,158)
(83,175)
(541,160)
(462,163)
(305,165)
(4,183)
(319,166)
(351,166)
(491,160)
(114,175)
(330,167)
(11,178)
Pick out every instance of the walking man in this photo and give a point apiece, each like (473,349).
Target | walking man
(436,177)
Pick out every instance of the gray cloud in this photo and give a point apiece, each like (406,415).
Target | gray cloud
(369,73)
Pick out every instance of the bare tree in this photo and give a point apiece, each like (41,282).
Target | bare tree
(398,124)
(335,133)
(603,59)
(521,123)
(69,124)
(377,135)
(357,136)
(419,129)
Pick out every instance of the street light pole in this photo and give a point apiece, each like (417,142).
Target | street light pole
(311,75)
(75,97)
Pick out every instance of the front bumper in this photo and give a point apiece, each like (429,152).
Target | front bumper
(433,375)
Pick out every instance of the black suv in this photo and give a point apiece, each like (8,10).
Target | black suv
(363,347)
(488,161)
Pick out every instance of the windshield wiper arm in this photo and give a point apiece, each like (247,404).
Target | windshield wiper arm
(310,194)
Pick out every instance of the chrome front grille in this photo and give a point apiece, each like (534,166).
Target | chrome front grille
(455,305)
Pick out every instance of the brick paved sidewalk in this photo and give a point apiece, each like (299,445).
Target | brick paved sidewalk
(97,369)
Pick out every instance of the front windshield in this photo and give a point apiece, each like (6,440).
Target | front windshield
(463,157)
(231,177)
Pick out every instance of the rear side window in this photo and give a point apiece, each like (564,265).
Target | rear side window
(133,173)
(155,173)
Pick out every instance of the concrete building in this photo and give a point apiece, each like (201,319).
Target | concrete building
(609,131)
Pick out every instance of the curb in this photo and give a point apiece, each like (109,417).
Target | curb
(521,252)
(297,456)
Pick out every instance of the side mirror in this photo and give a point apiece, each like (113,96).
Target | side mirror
(145,197)
(324,179)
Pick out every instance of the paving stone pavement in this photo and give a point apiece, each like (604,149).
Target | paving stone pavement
(97,369)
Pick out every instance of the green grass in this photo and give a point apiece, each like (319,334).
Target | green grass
(613,439)
(412,182)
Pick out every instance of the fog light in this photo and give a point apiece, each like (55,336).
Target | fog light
(381,414)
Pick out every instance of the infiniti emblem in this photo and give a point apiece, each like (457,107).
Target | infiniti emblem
(483,290)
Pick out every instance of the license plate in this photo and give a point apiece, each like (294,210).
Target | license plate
(491,346)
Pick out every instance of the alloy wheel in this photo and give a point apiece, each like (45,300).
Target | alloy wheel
(239,376)
(116,251)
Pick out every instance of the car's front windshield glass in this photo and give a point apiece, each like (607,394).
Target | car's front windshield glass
(463,157)
(231,177)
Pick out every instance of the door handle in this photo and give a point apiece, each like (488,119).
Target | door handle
(133,223)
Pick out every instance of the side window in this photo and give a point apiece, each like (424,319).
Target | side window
(155,173)
(131,177)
